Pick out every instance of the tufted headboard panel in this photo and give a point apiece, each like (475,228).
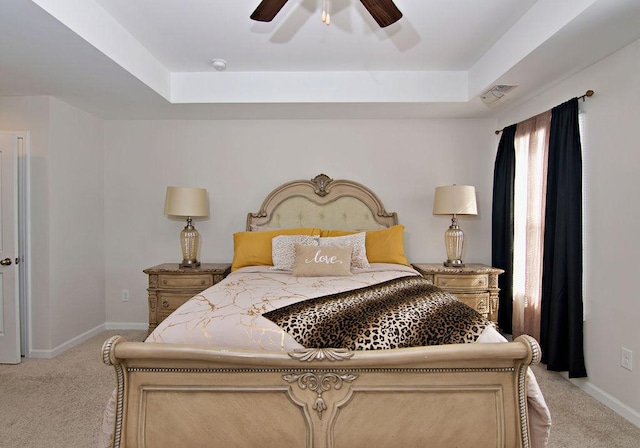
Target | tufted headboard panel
(323,203)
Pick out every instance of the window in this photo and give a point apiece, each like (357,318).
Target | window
(531,146)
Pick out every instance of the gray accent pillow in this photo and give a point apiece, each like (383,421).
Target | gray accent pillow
(283,251)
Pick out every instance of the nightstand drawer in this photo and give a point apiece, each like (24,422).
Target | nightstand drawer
(171,301)
(461,281)
(201,281)
(479,301)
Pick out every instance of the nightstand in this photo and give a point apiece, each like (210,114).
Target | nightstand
(475,284)
(170,286)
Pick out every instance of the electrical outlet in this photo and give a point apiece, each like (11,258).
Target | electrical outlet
(626,358)
(125,295)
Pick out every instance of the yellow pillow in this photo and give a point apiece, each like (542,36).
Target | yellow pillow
(386,245)
(254,248)
(383,246)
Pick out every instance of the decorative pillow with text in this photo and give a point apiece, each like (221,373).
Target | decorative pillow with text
(316,261)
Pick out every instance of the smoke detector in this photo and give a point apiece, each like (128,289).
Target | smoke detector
(495,93)
(219,64)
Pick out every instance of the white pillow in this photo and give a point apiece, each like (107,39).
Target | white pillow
(357,243)
(283,249)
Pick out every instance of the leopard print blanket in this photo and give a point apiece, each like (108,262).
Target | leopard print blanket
(403,312)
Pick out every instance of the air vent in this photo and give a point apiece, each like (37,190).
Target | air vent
(495,93)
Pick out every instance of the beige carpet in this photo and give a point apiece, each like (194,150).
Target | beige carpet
(58,403)
(579,420)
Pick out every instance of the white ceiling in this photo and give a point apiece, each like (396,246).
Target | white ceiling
(146,59)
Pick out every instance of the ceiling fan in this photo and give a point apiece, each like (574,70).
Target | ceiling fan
(384,12)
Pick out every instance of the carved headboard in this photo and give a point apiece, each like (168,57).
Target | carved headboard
(323,203)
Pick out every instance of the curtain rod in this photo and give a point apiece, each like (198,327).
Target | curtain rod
(588,93)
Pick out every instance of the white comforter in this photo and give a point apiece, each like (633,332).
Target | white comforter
(230,315)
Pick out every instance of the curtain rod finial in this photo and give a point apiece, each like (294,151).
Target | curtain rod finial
(588,94)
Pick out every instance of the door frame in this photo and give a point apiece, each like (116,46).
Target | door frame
(22,171)
(23,168)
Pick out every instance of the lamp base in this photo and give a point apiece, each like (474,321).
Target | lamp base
(453,264)
(454,241)
(189,239)
(189,264)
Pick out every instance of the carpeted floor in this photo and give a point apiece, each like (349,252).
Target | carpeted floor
(581,421)
(58,403)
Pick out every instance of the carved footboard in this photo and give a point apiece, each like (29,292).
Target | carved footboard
(444,396)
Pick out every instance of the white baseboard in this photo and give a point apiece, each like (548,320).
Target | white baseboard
(48,354)
(608,400)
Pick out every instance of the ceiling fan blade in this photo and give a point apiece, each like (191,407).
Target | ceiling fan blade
(385,12)
(267,10)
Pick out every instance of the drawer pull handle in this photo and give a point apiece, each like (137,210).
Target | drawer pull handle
(164,282)
(444,282)
(165,304)
(202,282)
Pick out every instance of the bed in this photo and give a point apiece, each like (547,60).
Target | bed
(229,368)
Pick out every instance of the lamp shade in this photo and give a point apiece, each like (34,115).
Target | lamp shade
(185,201)
(455,200)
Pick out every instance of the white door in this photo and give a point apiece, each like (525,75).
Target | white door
(9,299)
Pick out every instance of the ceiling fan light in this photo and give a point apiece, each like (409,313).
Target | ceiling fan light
(384,12)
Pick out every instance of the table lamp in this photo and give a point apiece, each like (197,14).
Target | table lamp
(190,203)
(454,200)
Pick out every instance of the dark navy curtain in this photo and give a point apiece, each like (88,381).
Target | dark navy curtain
(561,337)
(502,223)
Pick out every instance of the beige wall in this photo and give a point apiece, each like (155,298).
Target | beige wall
(67,219)
(76,222)
(239,162)
(611,159)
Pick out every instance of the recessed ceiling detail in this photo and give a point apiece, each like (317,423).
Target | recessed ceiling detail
(122,58)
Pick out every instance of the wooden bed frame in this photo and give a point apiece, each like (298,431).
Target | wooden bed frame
(466,395)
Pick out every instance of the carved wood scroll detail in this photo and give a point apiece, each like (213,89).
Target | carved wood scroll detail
(109,358)
(321,181)
(319,383)
(320,354)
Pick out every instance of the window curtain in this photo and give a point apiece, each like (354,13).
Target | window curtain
(531,145)
(559,254)
(561,327)
(502,224)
